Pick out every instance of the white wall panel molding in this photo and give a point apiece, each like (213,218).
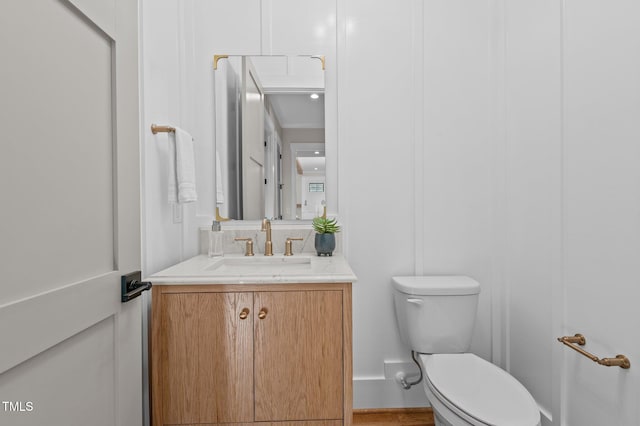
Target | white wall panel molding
(499,318)
(189,64)
(554,413)
(497,119)
(341,70)
(266,27)
(417,74)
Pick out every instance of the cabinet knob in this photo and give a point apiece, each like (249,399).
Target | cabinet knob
(263,313)
(244,314)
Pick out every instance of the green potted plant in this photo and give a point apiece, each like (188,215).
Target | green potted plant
(326,229)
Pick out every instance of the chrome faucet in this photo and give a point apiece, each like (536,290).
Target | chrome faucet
(268,245)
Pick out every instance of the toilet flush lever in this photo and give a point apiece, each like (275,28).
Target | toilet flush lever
(415,301)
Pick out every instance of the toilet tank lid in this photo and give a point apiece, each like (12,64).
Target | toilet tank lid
(437,285)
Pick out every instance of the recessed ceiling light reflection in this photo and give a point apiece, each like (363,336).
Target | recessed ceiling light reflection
(314,96)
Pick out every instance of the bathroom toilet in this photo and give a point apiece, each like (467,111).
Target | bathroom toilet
(436,316)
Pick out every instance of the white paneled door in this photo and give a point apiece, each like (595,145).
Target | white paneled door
(601,210)
(70,351)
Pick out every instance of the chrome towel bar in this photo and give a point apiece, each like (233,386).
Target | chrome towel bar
(578,339)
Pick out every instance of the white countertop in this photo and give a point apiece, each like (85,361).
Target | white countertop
(239,269)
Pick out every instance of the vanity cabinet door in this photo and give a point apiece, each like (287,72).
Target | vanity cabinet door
(206,358)
(298,355)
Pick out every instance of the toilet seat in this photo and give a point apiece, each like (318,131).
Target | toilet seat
(479,390)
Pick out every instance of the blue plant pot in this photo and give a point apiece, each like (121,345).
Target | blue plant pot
(325,244)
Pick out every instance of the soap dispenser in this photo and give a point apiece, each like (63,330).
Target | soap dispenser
(215,240)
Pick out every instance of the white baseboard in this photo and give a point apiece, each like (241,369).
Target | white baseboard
(378,392)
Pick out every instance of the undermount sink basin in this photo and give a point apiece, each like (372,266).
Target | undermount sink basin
(260,265)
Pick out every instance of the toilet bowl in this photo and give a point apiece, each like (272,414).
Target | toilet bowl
(435,317)
(468,390)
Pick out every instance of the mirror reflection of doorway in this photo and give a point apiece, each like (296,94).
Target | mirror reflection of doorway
(279,184)
(308,173)
(273,170)
(312,196)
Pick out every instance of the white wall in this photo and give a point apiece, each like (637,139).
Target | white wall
(160,85)
(460,109)
(422,115)
(458,150)
(377,56)
(570,104)
(178,43)
(404,91)
(601,208)
(532,153)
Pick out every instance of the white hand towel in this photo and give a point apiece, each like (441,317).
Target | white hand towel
(172,189)
(182,172)
(219,189)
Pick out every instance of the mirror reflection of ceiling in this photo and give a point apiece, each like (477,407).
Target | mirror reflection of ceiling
(298,110)
(309,166)
(289,83)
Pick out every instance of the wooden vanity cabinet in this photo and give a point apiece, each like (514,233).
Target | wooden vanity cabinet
(277,354)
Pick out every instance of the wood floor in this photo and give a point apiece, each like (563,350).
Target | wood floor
(394,417)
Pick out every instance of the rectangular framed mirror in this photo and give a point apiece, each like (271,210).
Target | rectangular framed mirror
(270,137)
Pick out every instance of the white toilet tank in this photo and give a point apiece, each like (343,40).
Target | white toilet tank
(436,314)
